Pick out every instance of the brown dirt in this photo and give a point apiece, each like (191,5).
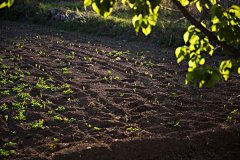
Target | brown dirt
(132,117)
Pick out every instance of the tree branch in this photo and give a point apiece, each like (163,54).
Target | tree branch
(234,52)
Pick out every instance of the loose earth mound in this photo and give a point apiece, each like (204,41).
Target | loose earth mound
(70,96)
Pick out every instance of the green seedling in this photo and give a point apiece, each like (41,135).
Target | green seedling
(60,108)
(132,129)
(96,128)
(117,78)
(135,63)
(39,124)
(134,90)
(156,101)
(105,78)
(36,103)
(110,77)
(92,104)
(66,71)
(68,91)
(20,108)
(4,66)
(17,76)
(148,74)
(96,51)
(27,73)
(60,41)
(3,107)
(5,151)
(142,57)
(6,117)
(109,72)
(50,112)
(71,55)
(49,102)
(18,105)
(72,120)
(5,92)
(52,146)
(4,71)
(121,94)
(41,53)
(93,127)
(13,132)
(131,72)
(24,96)
(41,84)
(233,113)
(58,118)
(118,59)
(65,119)
(177,124)
(9,144)
(4,81)
(55,139)
(21,115)
(89,125)
(38,66)
(149,64)
(19,45)
(87,58)
(19,88)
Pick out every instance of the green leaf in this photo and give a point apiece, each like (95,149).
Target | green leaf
(235,9)
(147,30)
(213,2)
(8,4)
(199,6)
(194,39)
(202,61)
(214,28)
(95,8)
(186,36)
(3,4)
(180,54)
(184,2)
(87,3)
(225,68)
(136,21)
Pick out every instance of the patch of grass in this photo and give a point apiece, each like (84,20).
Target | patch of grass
(168,31)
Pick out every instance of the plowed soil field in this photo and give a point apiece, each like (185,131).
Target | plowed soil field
(68,96)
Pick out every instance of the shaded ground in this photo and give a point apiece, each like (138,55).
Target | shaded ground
(106,99)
